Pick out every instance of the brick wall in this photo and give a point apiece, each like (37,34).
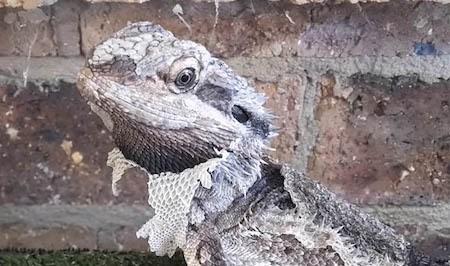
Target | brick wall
(361,93)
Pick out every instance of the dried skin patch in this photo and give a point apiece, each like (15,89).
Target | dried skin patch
(170,195)
(119,165)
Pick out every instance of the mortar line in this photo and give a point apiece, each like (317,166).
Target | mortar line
(428,68)
(112,217)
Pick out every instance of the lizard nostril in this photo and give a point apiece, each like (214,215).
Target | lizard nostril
(239,114)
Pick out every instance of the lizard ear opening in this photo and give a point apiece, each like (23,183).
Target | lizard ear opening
(259,126)
(240,114)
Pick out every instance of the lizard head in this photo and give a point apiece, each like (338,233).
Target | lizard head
(169,104)
(174,109)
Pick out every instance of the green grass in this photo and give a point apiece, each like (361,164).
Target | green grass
(94,258)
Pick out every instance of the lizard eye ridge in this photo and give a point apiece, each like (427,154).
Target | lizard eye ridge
(185,79)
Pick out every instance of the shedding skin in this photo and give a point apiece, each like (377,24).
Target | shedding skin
(200,132)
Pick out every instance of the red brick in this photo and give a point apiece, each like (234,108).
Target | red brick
(36,169)
(22,236)
(25,30)
(284,100)
(388,143)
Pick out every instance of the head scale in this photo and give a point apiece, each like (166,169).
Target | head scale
(170,106)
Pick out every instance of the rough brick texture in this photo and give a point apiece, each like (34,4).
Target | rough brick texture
(55,149)
(22,236)
(387,142)
(263,29)
(377,138)
(284,100)
(26,32)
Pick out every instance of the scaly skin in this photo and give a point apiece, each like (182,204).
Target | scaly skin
(200,131)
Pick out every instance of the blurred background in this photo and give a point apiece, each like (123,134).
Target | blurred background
(361,92)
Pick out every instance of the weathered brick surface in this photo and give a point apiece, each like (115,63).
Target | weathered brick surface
(57,237)
(26,4)
(436,245)
(281,29)
(64,237)
(284,100)
(65,226)
(393,29)
(66,25)
(266,29)
(53,150)
(387,143)
(250,34)
(126,237)
(22,31)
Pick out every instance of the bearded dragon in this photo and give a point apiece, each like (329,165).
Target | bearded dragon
(200,132)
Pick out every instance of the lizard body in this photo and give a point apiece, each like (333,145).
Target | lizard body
(200,132)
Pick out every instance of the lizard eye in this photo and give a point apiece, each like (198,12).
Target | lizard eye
(185,79)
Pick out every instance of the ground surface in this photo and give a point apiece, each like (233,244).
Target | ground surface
(85,258)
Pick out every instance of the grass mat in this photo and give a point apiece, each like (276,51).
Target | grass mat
(79,257)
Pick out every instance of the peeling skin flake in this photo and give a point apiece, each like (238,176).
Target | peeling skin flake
(119,165)
(170,195)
